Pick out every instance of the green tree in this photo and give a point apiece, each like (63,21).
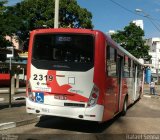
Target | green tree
(31,14)
(131,39)
(3,30)
(2,7)
(3,27)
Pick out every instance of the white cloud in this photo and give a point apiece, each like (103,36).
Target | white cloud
(157,10)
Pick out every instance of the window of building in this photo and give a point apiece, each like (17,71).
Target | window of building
(150,61)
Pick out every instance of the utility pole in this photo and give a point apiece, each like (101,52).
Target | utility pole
(157,58)
(56,14)
(158,72)
(10,56)
(10,88)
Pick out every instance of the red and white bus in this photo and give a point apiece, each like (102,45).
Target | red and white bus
(80,74)
(4,76)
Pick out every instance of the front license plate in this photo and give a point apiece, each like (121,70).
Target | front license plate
(60,97)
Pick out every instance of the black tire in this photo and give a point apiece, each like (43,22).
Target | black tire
(124,110)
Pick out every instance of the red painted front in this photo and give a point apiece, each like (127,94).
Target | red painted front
(4,79)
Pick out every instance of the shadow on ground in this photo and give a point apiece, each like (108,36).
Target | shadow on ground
(17,104)
(74,125)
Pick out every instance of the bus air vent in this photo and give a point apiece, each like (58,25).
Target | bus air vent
(74,104)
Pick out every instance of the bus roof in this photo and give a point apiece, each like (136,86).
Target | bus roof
(65,30)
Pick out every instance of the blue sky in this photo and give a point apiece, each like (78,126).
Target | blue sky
(108,15)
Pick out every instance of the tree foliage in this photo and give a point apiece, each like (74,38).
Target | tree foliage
(31,14)
(2,7)
(131,39)
(3,27)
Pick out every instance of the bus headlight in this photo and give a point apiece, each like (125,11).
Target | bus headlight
(93,97)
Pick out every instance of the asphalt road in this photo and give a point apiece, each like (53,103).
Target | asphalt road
(142,121)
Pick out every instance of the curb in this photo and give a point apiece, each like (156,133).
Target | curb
(8,125)
(147,96)
(6,90)
(152,96)
(1,99)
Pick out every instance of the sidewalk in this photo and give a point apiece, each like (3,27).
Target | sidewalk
(16,115)
(146,90)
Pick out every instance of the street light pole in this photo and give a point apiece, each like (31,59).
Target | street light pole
(56,14)
(150,19)
(141,11)
(10,88)
(158,72)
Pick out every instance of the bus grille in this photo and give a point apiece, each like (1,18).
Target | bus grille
(74,104)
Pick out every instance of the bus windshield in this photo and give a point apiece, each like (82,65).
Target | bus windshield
(63,48)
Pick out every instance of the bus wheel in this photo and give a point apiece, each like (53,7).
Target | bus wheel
(124,110)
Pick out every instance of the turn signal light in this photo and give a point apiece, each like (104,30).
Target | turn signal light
(93,97)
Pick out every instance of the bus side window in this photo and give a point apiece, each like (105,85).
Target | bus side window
(130,67)
(140,69)
(134,68)
(111,67)
(127,71)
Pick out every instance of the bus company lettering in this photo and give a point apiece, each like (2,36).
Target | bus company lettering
(76,91)
(45,89)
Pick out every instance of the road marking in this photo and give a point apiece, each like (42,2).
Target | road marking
(7,125)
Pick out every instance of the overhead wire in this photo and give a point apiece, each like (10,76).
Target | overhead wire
(133,12)
(151,19)
(154,25)
(123,7)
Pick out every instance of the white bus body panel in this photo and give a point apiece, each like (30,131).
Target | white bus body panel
(69,112)
(80,84)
